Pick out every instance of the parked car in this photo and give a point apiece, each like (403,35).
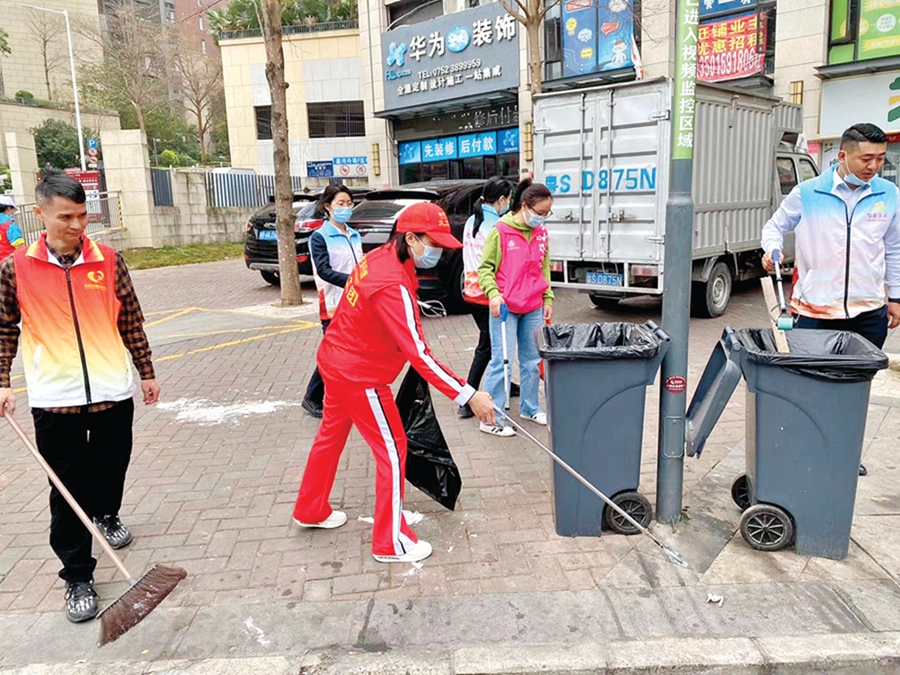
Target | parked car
(377,215)
(261,243)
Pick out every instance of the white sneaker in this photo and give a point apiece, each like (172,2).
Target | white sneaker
(419,552)
(497,430)
(537,418)
(336,519)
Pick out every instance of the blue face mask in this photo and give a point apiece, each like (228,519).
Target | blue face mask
(342,214)
(429,258)
(504,210)
(535,220)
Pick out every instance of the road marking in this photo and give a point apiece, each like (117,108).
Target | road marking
(233,330)
(296,329)
(176,315)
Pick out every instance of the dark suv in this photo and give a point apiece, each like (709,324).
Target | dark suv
(377,215)
(261,243)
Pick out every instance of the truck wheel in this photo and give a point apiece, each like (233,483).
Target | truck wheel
(271,278)
(604,301)
(710,299)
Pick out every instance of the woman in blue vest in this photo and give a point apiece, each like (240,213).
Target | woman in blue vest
(335,249)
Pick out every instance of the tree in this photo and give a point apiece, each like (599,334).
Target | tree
(242,14)
(134,68)
(201,82)
(45,29)
(56,143)
(284,212)
(531,13)
(5,50)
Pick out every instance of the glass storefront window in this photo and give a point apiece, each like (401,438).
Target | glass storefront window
(473,167)
(436,171)
(410,173)
(509,164)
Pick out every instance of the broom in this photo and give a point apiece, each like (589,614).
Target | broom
(145,593)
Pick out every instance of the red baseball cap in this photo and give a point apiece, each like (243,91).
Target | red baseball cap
(428,218)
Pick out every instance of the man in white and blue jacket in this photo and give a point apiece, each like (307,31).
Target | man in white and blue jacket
(847,242)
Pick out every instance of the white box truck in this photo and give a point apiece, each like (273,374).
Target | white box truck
(604,153)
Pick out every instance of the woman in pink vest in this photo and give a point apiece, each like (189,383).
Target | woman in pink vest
(515,270)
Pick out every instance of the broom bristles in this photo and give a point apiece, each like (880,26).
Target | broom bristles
(138,601)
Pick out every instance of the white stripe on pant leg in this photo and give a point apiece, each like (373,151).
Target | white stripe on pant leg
(402,543)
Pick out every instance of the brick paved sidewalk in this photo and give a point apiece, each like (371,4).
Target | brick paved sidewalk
(216,498)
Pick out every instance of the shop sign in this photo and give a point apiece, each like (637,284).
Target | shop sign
(482,144)
(596,36)
(508,140)
(459,55)
(728,49)
(841,106)
(879,29)
(320,169)
(708,7)
(410,152)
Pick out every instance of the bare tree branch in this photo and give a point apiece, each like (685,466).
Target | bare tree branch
(46,29)
(521,18)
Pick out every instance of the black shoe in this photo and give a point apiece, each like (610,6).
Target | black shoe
(114,530)
(513,390)
(81,601)
(863,471)
(465,412)
(313,408)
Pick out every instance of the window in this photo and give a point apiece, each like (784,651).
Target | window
(787,175)
(203,46)
(263,123)
(807,170)
(201,23)
(170,12)
(797,92)
(336,120)
(861,31)
(409,12)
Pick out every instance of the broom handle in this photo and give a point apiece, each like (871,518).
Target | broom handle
(51,474)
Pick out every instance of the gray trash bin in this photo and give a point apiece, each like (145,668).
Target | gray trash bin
(596,380)
(806,419)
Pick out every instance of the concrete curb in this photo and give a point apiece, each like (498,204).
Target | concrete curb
(847,654)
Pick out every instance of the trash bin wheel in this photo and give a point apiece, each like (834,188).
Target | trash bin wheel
(635,505)
(767,528)
(740,492)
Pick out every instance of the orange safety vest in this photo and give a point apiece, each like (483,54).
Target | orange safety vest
(72,350)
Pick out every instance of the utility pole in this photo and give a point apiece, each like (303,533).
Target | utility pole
(65,14)
(678,256)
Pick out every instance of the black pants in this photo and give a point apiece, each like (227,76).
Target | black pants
(90,454)
(315,390)
(873,326)
(482,316)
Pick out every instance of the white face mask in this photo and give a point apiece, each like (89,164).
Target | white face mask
(430,257)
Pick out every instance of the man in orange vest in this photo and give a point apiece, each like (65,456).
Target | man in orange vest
(81,320)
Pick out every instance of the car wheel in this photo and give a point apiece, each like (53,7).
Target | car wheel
(271,278)
(710,299)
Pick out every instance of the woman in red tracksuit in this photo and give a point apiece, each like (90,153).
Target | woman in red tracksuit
(375,332)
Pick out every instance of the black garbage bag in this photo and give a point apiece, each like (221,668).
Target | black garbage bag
(837,356)
(599,341)
(429,465)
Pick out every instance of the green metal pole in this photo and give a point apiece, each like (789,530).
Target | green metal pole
(677,280)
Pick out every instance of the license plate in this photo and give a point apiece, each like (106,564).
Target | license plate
(604,279)
(268,235)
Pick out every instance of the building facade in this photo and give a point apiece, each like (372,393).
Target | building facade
(445,90)
(326,114)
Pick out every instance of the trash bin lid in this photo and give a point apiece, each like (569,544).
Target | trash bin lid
(840,356)
(600,341)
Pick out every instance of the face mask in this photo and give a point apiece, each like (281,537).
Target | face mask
(429,258)
(342,214)
(852,179)
(504,209)
(535,220)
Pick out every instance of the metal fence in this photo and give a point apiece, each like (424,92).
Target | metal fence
(161,179)
(233,190)
(290,30)
(104,216)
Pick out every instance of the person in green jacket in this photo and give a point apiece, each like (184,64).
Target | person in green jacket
(515,271)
